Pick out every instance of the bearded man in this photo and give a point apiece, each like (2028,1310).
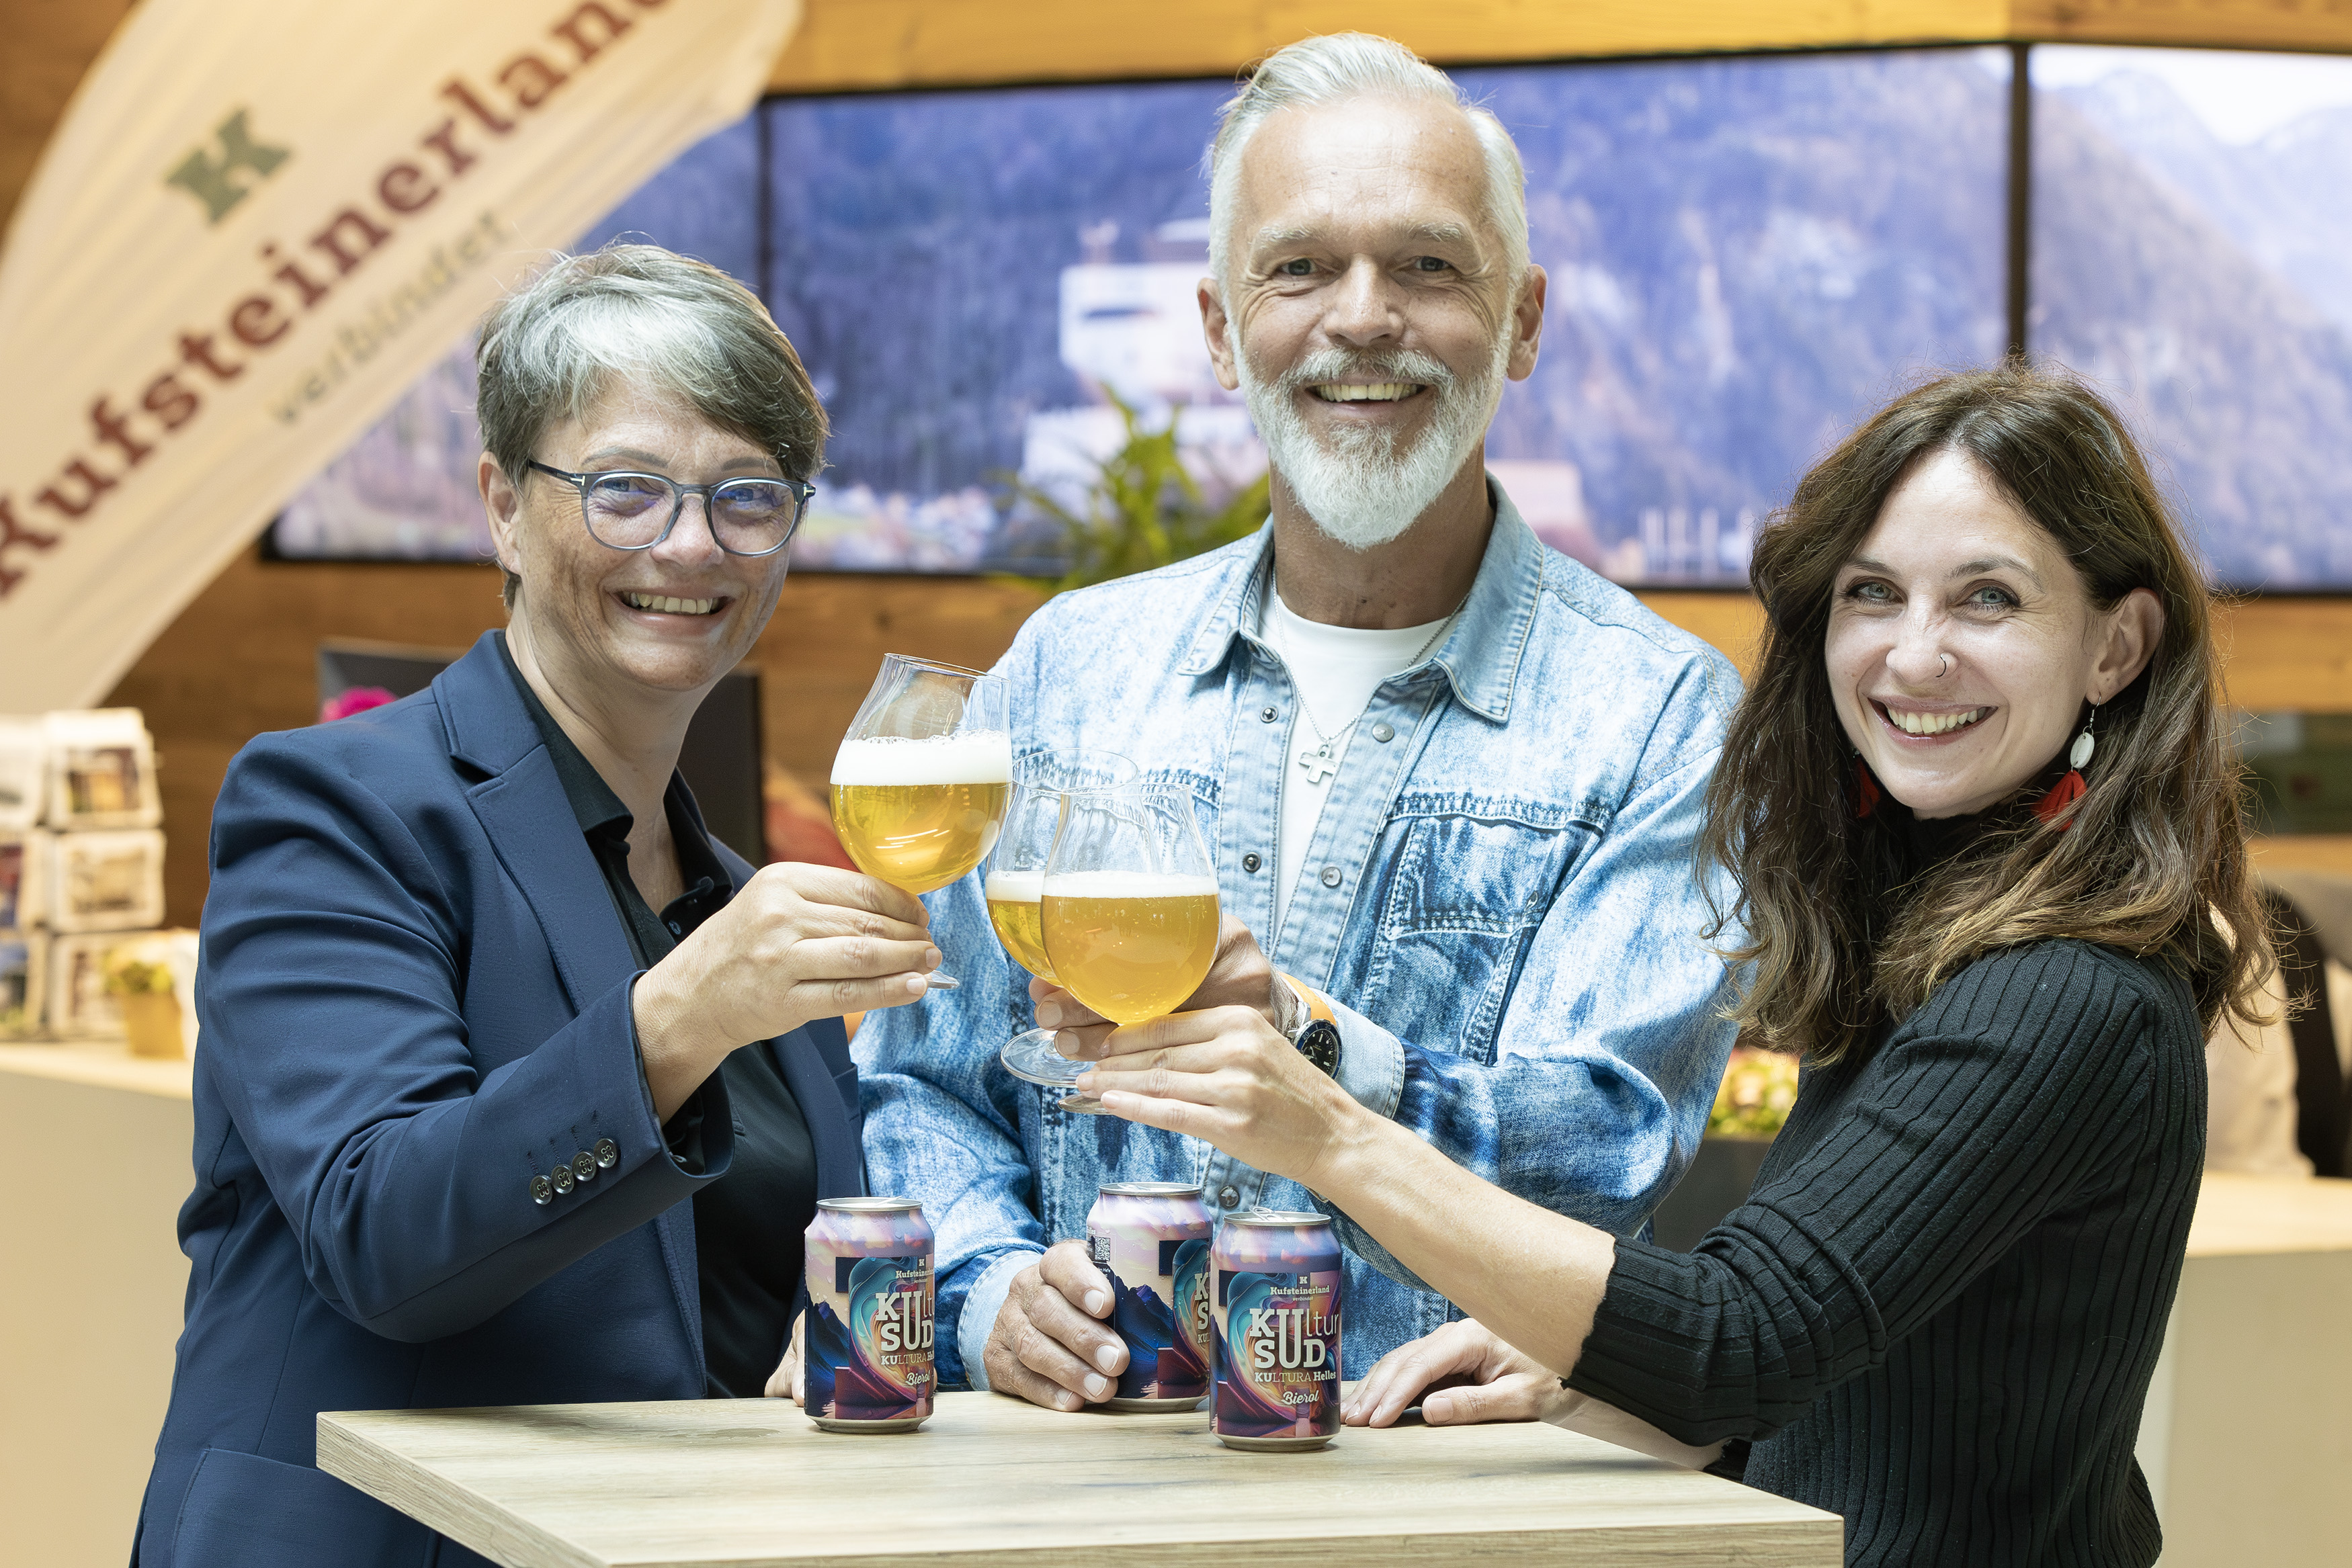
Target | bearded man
(1451,778)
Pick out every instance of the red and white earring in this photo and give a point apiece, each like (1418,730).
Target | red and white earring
(2070,787)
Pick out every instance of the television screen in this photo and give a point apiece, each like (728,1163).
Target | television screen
(1745,256)
(2192,254)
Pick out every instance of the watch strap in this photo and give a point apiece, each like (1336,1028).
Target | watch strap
(1318,1007)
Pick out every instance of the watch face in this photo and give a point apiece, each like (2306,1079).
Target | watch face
(1319,1043)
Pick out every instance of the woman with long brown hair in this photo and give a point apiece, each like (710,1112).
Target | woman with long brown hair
(1981,815)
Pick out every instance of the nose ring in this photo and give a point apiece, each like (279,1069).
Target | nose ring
(1945,666)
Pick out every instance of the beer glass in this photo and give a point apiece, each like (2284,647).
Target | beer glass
(1016,888)
(1129,906)
(920,781)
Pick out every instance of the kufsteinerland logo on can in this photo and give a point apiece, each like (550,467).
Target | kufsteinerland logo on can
(471,119)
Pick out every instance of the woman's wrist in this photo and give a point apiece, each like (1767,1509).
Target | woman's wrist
(1361,1148)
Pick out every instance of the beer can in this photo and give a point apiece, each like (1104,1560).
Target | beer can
(1276,1306)
(865,1342)
(1151,1239)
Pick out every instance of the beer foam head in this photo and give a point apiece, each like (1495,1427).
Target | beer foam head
(980,757)
(1015,886)
(1129,884)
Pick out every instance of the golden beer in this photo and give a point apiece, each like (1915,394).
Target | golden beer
(1014,909)
(1131,945)
(917,814)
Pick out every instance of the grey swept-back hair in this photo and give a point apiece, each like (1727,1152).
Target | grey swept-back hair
(546,350)
(1315,73)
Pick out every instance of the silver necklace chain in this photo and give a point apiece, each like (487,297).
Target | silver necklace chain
(1320,763)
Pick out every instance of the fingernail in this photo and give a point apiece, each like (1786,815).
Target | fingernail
(1066,1400)
(1108,1358)
(916,985)
(930,957)
(1097,1387)
(1096,1302)
(1049,1015)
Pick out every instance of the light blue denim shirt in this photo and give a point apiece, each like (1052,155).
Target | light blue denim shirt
(1500,896)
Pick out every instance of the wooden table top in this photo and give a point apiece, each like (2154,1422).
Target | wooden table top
(750,1482)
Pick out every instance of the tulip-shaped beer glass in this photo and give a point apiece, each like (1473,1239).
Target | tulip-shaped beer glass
(1016,888)
(1129,906)
(920,781)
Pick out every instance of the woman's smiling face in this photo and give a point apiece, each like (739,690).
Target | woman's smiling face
(1962,643)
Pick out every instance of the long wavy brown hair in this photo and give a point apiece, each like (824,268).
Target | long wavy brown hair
(2151,859)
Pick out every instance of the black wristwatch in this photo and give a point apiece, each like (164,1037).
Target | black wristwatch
(1318,1042)
(1306,1020)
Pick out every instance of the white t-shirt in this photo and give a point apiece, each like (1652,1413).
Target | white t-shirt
(1335,670)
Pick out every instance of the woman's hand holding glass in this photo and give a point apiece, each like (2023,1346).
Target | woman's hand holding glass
(799,942)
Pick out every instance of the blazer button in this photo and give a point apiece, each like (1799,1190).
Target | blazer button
(608,1154)
(1251,863)
(1331,876)
(1228,1197)
(563,1179)
(583,1166)
(542,1191)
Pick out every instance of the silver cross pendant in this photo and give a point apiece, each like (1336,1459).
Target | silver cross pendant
(1319,763)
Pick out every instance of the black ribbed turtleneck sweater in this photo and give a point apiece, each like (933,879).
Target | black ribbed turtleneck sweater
(1938,1313)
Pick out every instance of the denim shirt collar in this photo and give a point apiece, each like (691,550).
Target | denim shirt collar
(1480,657)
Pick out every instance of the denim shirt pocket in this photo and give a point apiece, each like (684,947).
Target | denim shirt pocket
(1470,880)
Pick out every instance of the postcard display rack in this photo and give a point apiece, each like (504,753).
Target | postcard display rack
(81,870)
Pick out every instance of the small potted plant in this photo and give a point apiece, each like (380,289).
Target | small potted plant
(140,986)
(1142,510)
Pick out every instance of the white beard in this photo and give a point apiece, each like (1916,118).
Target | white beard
(1361,490)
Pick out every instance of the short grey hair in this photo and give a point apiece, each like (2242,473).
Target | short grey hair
(1316,73)
(546,350)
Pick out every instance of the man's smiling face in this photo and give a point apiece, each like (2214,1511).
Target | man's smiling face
(1371,313)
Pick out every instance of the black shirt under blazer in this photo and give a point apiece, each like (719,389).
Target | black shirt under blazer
(415,999)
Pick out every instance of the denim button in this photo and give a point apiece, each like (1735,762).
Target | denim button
(1227,1198)
(1267,715)
(542,1191)
(1383,733)
(1251,863)
(1331,876)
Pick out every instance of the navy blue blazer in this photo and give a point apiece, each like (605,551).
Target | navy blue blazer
(415,994)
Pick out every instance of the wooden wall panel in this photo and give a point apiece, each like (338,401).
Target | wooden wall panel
(852,45)
(2216,24)
(863,45)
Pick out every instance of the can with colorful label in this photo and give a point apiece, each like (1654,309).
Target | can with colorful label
(865,1344)
(1277,1303)
(1151,1239)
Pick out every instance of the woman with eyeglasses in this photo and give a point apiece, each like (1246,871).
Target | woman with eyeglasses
(516,1086)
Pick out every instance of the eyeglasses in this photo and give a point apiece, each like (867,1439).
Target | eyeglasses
(749,516)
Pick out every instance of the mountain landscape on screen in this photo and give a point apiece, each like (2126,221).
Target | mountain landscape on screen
(2209,286)
(1745,256)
